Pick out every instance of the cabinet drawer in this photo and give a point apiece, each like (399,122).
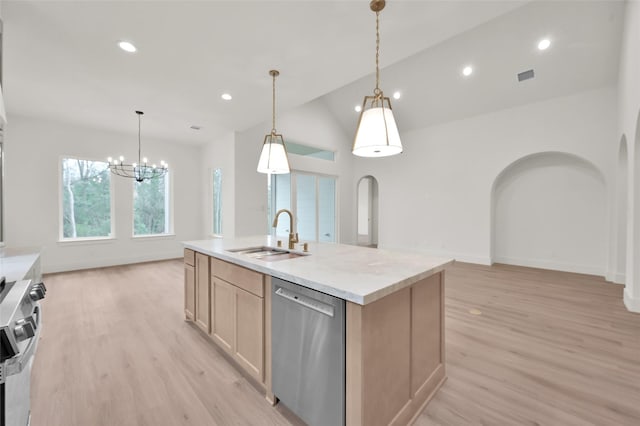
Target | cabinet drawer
(244,278)
(189,257)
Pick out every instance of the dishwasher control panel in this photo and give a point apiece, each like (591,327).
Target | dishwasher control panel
(303,300)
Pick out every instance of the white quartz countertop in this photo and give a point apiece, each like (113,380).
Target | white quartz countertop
(15,263)
(357,274)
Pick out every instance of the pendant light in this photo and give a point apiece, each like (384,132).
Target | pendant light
(377,133)
(273,158)
(140,170)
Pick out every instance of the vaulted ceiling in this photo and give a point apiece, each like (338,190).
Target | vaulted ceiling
(61,60)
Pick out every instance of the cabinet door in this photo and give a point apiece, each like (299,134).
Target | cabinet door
(223,309)
(203,314)
(249,350)
(189,291)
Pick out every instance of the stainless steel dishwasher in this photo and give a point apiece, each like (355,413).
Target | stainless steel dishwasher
(308,353)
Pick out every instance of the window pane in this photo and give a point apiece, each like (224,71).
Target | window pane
(309,151)
(150,206)
(306,206)
(327,209)
(281,199)
(86,199)
(217,202)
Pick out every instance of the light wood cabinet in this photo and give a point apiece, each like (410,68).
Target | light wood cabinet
(238,315)
(189,284)
(189,292)
(223,314)
(249,348)
(203,297)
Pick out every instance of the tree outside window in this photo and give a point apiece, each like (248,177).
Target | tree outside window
(151,206)
(86,199)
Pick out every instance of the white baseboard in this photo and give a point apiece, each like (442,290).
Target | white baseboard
(615,277)
(632,304)
(555,266)
(101,263)
(618,278)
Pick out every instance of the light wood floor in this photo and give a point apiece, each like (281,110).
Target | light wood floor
(549,348)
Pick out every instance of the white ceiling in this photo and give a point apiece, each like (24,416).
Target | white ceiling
(61,59)
(584,54)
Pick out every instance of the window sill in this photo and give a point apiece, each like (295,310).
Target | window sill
(82,241)
(152,237)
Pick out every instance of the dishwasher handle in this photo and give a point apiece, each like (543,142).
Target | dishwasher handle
(306,301)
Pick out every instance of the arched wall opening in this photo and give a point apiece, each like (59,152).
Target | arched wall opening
(548,210)
(621,212)
(367,212)
(632,289)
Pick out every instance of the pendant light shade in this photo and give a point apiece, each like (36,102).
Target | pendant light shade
(377,134)
(273,158)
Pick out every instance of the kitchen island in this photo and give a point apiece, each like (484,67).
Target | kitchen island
(394,345)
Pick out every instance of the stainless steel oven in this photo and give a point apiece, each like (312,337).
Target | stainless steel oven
(20,326)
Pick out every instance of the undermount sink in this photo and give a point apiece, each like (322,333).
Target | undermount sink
(268,254)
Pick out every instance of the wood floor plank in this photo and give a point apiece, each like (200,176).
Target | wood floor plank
(548,348)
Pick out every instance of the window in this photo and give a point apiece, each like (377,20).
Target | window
(217,202)
(86,199)
(311,199)
(151,207)
(310,151)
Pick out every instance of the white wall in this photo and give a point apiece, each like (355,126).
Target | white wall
(311,124)
(34,148)
(550,212)
(629,128)
(219,154)
(436,196)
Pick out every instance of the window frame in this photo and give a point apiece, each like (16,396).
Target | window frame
(168,208)
(212,204)
(294,202)
(112,205)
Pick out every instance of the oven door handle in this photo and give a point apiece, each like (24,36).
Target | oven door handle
(17,364)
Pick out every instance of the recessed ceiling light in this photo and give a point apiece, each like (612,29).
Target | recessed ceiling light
(544,44)
(358,108)
(127,46)
(467,71)
(396,95)
(226,96)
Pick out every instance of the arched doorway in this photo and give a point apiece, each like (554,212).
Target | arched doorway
(549,211)
(367,209)
(632,288)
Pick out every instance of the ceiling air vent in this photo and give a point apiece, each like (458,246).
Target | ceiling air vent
(525,75)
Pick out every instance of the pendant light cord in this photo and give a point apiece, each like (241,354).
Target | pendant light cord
(273,105)
(139,143)
(377,89)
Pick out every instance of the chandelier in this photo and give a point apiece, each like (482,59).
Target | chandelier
(273,158)
(377,134)
(142,169)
